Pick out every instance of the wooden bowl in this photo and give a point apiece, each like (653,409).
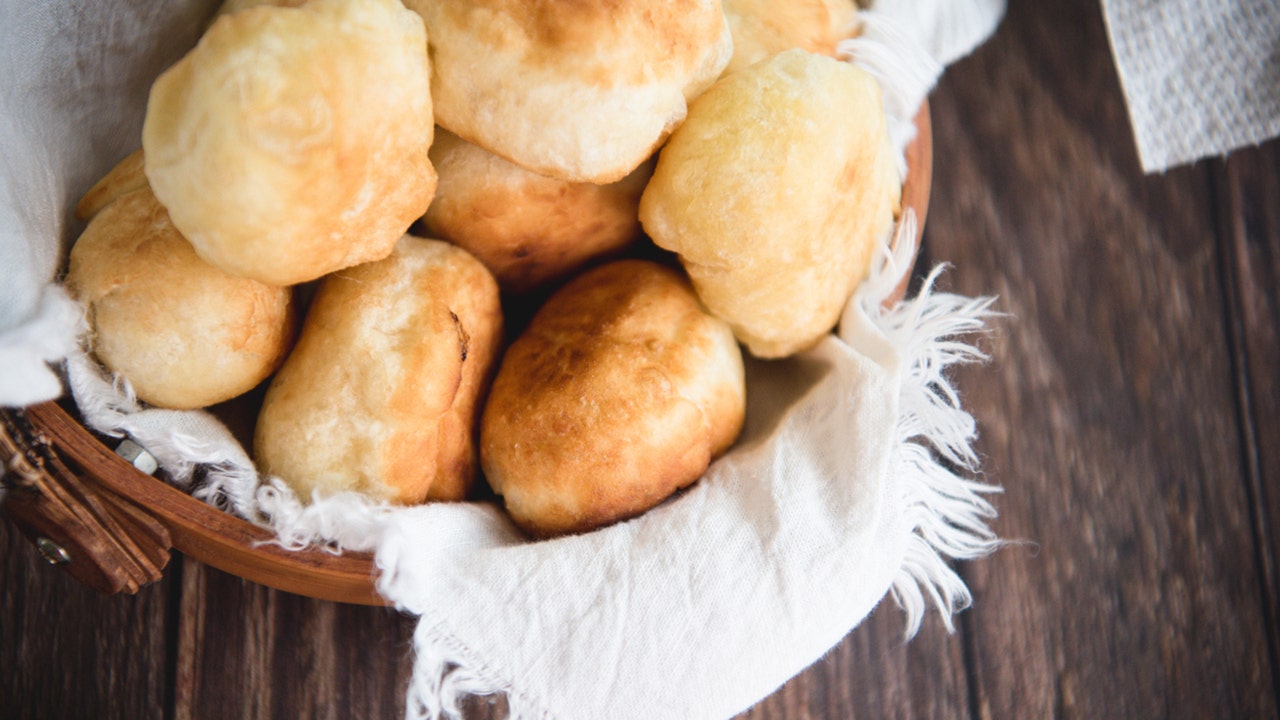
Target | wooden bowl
(112,526)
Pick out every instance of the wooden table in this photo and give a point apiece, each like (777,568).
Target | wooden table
(1131,410)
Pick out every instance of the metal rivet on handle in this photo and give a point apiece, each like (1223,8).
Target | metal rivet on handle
(137,456)
(53,553)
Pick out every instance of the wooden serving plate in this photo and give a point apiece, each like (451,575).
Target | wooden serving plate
(112,526)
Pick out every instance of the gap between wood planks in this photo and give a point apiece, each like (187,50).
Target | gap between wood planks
(1232,246)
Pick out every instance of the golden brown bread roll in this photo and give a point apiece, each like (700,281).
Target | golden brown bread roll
(292,142)
(774,192)
(621,391)
(122,179)
(184,333)
(764,28)
(380,395)
(527,228)
(583,91)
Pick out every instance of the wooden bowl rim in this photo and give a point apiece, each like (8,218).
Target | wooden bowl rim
(234,545)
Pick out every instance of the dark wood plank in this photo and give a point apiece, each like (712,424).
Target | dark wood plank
(1249,212)
(1107,411)
(875,673)
(248,651)
(68,652)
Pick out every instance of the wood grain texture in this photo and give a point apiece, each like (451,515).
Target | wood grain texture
(875,673)
(249,651)
(68,652)
(1107,410)
(1248,194)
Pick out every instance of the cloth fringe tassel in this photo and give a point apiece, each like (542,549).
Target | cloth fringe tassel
(443,676)
(934,459)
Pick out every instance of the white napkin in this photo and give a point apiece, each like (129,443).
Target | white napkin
(850,481)
(1201,77)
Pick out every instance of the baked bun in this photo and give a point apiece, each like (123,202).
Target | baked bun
(620,392)
(775,192)
(122,179)
(184,333)
(764,28)
(292,142)
(380,395)
(582,91)
(528,229)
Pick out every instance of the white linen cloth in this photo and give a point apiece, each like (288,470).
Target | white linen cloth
(850,481)
(74,78)
(1201,77)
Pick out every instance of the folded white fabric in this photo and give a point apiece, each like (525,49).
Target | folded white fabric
(74,78)
(1201,77)
(849,483)
(947,29)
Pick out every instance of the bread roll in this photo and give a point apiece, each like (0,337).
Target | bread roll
(764,28)
(292,142)
(122,179)
(185,334)
(621,391)
(774,192)
(528,229)
(381,394)
(582,91)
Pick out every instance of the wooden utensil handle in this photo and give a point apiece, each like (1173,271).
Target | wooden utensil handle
(100,539)
(112,527)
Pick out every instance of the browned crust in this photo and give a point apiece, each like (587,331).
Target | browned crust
(619,393)
(528,229)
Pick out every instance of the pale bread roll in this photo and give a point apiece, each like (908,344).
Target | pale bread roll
(774,193)
(583,91)
(380,395)
(620,392)
(764,28)
(528,229)
(122,179)
(292,142)
(185,334)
